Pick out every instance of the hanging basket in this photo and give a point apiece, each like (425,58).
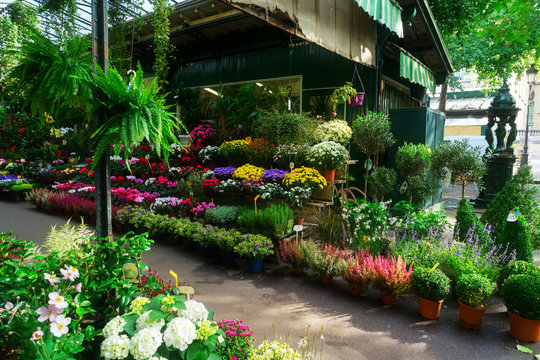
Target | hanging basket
(358,99)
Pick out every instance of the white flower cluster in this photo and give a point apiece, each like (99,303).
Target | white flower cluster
(180,333)
(209,153)
(195,311)
(327,155)
(115,158)
(145,343)
(114,326)
(336,130)
(229,185)
(115,347)
(145,321)
(176,149)
(65,130)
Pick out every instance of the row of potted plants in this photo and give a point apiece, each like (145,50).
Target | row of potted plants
(519,282)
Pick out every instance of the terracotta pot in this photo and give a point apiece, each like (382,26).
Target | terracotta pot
(299,221)
(524,329)
(429,309)
(328,174)
(388,299)
(470,317)
(298,271)
(326,279)
(355,289)
(173,214)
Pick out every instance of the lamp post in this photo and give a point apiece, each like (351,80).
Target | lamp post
(531,75)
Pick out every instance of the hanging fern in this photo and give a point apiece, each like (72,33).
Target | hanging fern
(54,75)
(162,45)
(135,113)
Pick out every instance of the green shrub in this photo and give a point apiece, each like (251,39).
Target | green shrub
(518,267)
(284,128)
(381,181)
(222,215)
(516,194)
(254,247)
(474,290)
(413,162)
(516,235)
(20,187)
(521,295)
(429,284)
(467,221)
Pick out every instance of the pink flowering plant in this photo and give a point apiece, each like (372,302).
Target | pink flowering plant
(389,274)
(239,340)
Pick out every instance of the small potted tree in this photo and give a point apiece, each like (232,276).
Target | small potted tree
(431,287)
(473,292)
(521,295)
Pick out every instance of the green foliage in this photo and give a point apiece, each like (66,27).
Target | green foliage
(518,267)
(467,221)
(419,223)
(521,295)
(284,127)
(68,238)
(413,162)
(162,46)
(188,101)
(222,215)
(381,181)
(474,290)
(517,236)
(54,75)
(371,133)
(330,227)
(461,159)
(516,194)
(265,220)
(429,284)
(134,114)
(254,247)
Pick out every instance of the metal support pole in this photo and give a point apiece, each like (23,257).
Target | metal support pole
(525,155)
(100,54)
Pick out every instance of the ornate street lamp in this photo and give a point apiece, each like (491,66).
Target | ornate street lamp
(531,76)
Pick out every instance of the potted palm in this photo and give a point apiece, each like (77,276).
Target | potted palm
(473,292)
(521,295)
(431,287)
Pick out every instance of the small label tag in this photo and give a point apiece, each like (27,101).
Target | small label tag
(298,228)
(513,215)
(434,267)
(175,277)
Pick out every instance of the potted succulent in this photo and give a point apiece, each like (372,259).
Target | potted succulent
(254,248)
(431,287)
(473,292)
(521,295)
(327,157)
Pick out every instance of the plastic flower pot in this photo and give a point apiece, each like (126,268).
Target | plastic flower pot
(388,299)
(524,329)
(189,244)
(298,271)
(326,279)
(470,317)
(429,309)
(357,100)
(227,259)
(355,289)
(207,251)
(254,266)
(328,174)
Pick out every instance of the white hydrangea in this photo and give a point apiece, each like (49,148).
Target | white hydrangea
(195,311)
(145,321)
(180,333)
(115,347)
(145,343)
(114,327)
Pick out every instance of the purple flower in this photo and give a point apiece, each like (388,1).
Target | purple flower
(223,173)
(273,175)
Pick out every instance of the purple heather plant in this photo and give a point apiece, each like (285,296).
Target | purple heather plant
(224,173)
(273,175)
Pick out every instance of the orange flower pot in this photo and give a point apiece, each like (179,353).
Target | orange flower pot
(355,289)
(328,174)
(299,221)
(429,309)
(326,279)
(524,329)
(470,317)
(388,299)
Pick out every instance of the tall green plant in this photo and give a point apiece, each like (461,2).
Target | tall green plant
(413,161)
(54,75)
(372,135)
(162,46)
(461,159)
(135,113)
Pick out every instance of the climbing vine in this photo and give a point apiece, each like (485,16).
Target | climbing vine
(162,46)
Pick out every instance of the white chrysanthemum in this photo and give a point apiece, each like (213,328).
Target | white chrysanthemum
(114,327)
(180,333)
(115,347)
(145,343)
(195,311)
(145,321)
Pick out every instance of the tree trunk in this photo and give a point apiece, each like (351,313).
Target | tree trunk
(442,100)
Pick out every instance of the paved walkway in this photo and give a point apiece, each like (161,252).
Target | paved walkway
(354,328)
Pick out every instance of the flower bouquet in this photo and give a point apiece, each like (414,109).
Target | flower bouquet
(328,155)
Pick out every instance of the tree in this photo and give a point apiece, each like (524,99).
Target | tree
(461,159)
(413,162)
(493,38)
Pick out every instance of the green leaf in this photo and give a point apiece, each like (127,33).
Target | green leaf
(89,332)
(214,357)
(210,314)
(131,320)
(524,349)
(158,314)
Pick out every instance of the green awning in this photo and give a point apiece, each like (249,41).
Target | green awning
(411,68)
(387,12)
